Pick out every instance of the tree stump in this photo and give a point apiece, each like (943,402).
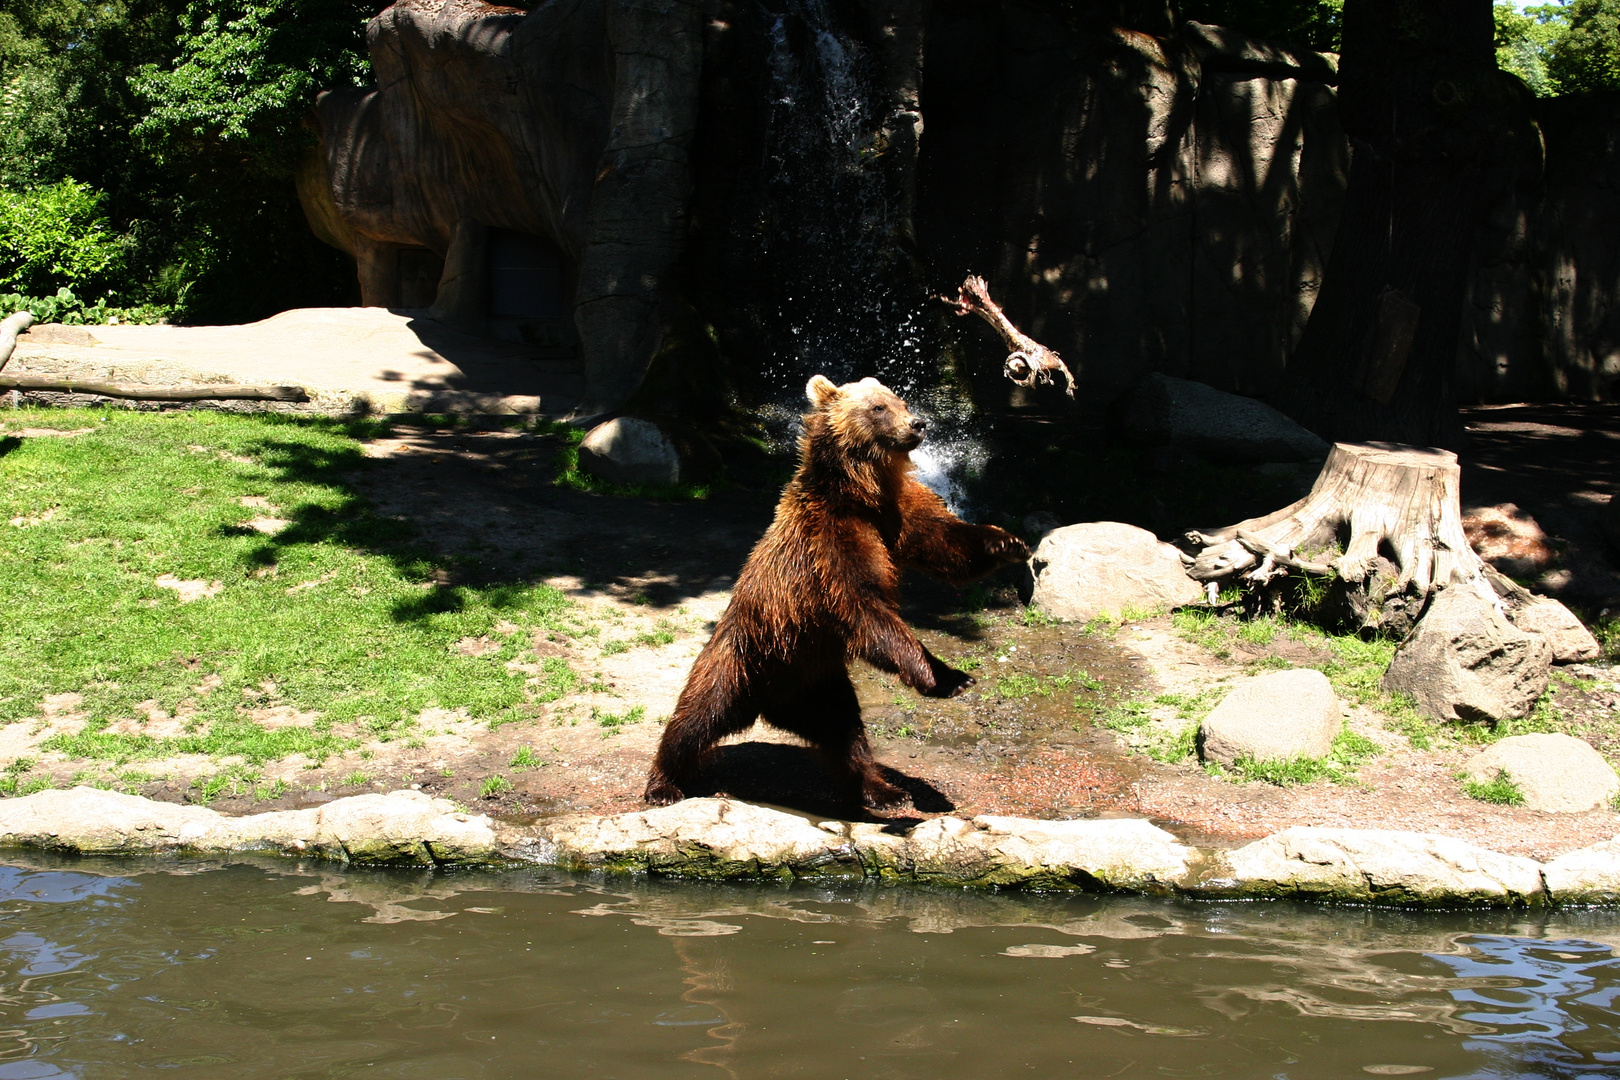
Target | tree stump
(1382,518)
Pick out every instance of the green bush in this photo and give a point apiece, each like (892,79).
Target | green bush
(70,310)
(57,237)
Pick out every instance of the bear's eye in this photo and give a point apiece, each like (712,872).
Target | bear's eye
(880,408)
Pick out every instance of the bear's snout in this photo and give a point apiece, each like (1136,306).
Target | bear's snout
(919,425)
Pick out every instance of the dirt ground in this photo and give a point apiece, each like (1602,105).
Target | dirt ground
(650,579)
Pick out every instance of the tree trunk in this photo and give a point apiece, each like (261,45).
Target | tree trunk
(1384,518)
(1437,134)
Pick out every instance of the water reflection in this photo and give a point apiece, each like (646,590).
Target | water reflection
(1544,1008)
(279,970)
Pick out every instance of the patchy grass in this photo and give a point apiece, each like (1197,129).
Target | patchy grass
(611,723)
(525,759)
(1348,753)
(1019,684)
(1036,618)
(1356,669)
(494,787)
(342,612)
(1500,789)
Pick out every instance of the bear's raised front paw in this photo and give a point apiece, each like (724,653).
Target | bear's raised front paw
(1008,548)
(661,793)
(882,795)
(949,683)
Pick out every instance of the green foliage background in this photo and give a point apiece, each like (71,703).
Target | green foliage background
(147,153)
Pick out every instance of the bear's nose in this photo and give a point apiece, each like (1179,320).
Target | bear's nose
(918,424)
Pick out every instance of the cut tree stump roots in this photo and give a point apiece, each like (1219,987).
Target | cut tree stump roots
(1392,511)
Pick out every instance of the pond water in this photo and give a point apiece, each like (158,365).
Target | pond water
(284,970)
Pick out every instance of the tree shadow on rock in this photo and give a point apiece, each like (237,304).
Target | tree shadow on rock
(798,778)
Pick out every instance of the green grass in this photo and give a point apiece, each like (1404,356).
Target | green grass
(494,786)
(1034,617)
(611,723)
(1078,679)
(525,759)
(339,613)
(1018,684)
(1500,790)
(1349,751)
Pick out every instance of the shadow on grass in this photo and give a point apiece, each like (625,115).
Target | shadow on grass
(474,513)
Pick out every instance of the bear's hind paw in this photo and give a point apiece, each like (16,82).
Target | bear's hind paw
(662,794)
(882,796)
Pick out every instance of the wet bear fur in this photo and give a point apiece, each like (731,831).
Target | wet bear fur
(821,587)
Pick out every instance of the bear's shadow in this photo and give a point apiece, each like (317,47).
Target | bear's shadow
(797,778)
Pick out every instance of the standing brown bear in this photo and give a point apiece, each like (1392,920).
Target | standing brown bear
(823,586)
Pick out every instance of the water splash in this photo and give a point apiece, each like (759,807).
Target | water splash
(848,306)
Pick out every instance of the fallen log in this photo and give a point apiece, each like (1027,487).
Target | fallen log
(216,392)
(9,329)
(1029,363)
(1382,518)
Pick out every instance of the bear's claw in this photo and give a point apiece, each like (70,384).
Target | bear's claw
(882,796)
(662,794)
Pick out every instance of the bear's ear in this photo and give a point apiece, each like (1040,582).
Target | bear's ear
(820,391)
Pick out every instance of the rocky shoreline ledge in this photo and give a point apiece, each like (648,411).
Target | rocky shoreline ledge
(724,839)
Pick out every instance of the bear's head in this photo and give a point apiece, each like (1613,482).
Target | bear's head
(865,415)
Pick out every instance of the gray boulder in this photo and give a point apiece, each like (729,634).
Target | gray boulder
(1466,661)
(1105,567)
(1588,876)
(1571,642)
(1372,865)
(1275,716)
(630,451)
(1226,427)
(1555,772)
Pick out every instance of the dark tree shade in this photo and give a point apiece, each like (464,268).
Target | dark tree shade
(1437,134)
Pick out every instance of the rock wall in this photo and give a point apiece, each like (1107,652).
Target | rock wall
(1543,323)
(779,186)
(1138,203)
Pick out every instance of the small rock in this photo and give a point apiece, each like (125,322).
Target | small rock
(1275,716)
(1571,642)
(630,451)
(57,334)
(1559,773)
(1105,567)
(1467,662)
(1508,539)
(1226,427)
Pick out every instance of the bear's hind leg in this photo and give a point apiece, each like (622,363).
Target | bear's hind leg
(828,716)
(704,715)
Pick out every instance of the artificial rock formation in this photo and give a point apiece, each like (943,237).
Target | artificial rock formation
(640,168)
(1225,427)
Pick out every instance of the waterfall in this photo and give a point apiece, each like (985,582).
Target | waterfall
(847,303)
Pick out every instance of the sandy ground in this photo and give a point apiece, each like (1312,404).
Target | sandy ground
(390,360)
(649,580)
